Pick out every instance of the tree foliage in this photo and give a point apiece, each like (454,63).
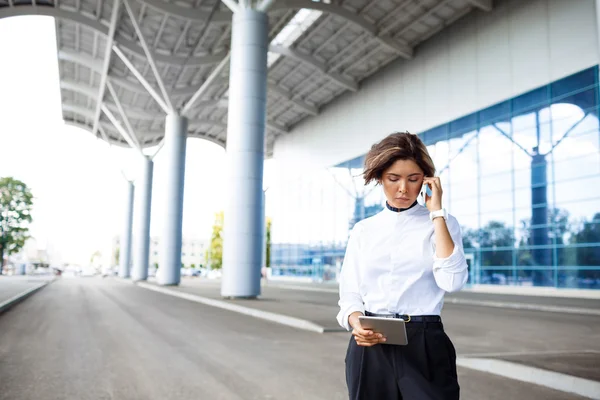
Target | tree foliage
(214,253)
(268,245)
(16,202)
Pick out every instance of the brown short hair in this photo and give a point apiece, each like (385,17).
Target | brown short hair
(397,146)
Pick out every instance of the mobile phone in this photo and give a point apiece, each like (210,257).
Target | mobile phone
(426,190)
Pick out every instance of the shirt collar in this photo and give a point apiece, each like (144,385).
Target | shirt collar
(399,210)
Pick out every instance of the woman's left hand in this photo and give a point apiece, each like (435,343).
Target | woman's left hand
(433,202)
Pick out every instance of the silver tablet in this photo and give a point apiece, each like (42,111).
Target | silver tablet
(393,329)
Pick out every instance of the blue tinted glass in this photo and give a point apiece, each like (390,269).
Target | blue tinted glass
(462,125)
(435,135)
(496,113)
(573,83)
(533,100)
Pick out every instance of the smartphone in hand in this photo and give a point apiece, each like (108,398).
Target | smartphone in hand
(426,190)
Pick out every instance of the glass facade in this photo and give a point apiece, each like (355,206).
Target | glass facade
(522,177)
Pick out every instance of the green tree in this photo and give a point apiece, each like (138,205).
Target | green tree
(95,257)
(589,234)
(214,253)
(16,202)
(268,245)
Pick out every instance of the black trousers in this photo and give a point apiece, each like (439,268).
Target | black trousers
(425,369)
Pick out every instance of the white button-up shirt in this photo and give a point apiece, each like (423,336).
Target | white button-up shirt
(391,267)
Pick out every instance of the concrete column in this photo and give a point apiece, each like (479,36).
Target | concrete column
(174,149)
(125,250)
(142,230)
(243,225)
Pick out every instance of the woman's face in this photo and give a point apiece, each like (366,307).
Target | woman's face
(402,183)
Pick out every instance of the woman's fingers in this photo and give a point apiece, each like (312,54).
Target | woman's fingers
(365,337)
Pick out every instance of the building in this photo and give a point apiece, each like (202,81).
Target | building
(507,103)
(193,252)
(504,93)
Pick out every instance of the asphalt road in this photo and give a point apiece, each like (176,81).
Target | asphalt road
(93,338)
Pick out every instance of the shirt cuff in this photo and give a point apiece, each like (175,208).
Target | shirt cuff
(343,315)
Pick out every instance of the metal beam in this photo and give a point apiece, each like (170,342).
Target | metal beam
(232,5)
(286,94)
(120,129)
(485,5)
(205,85)
(100,26)
(348,83)
(265,5)
(95,65)
(124,117)
(189,13)
(277,127)
(150,137)
(190,90)
(107,56)
(142,80)
(149,56)
(401,48)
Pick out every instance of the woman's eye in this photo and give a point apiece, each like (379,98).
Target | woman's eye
(415,180)
(393,180)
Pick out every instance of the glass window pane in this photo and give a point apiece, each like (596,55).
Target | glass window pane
(498,201)
(465,124)
(463,158)
(529,101)
(496,113)
(577,189)
(494,258)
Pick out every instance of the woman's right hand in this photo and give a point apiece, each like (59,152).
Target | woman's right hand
(363,337)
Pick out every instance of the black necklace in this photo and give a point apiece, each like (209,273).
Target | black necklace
(394,209)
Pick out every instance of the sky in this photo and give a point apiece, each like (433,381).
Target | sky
(77,180)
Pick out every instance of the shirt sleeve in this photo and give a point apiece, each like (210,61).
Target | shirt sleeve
(451,273)
(350,298)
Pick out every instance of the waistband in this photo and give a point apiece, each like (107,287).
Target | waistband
(408,318)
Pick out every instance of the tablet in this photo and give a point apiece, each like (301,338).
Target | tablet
(393,329)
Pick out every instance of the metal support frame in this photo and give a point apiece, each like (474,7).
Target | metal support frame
(120,129)
(347,83)
(265,5)
(149,56)
(124,117)
(485,5)
(399,47)
(142,80)
(107,56)
(206,84)
(232,5)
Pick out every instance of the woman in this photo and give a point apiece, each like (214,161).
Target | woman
(398,264)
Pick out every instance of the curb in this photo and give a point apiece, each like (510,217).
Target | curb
(7,304)
(524,306)
(252,312)
(550,379)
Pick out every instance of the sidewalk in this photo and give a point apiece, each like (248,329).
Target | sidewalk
(18,287)
(548,341)
(318,308)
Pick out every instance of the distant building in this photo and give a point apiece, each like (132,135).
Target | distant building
(193,251)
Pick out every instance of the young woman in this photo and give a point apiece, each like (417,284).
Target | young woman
(399,264)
